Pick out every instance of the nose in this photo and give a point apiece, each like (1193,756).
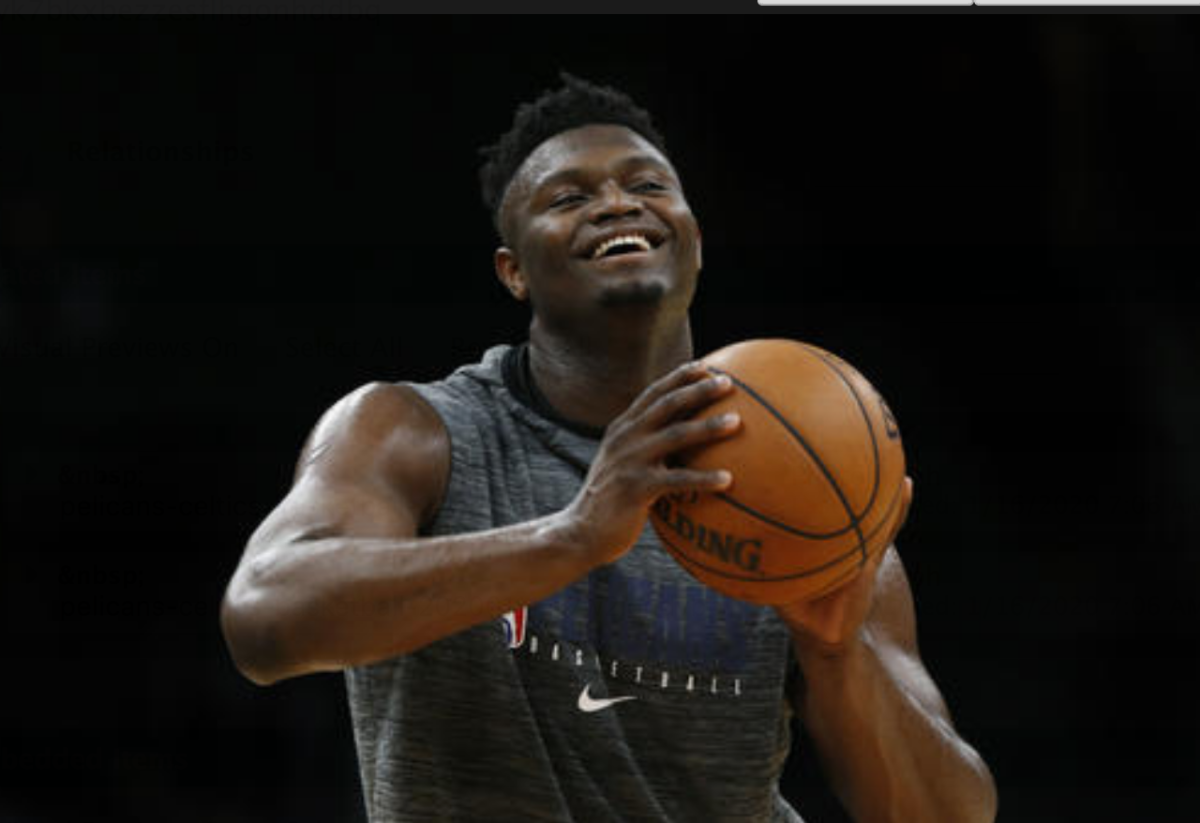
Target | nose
(614,203)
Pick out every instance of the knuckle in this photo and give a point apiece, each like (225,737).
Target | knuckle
(672,479)
(684,479)
(668,405)
(710,388)
(689,430)
(618,429)
(676,435)
(685,374)
(671,379)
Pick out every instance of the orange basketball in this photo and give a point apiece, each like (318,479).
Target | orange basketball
(818,471)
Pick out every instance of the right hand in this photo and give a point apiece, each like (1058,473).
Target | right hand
(631,469)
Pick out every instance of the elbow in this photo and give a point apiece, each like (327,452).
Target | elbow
(252,638)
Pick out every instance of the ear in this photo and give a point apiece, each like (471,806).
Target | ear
(508,269)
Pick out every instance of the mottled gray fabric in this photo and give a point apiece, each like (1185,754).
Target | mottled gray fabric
(489,724)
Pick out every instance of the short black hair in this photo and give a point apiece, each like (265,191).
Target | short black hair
(577,103)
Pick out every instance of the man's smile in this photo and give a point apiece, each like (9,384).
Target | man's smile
(623,241)
(622,244)
(628,259)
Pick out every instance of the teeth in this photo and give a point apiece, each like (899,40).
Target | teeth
(631,239)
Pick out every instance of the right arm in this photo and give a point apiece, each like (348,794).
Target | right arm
(336,575)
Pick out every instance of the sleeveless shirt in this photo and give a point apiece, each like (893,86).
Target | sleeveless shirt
(633,694)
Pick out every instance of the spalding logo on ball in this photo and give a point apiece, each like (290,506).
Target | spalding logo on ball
(818,473)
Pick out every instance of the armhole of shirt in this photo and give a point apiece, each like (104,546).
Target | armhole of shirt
(426,393)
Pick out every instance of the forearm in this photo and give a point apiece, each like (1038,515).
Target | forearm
(891,756)
(324,604)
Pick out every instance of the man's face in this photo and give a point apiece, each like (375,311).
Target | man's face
(596,217)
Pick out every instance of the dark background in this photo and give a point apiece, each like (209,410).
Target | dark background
(212,229)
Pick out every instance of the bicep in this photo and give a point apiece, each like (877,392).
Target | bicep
(318,507)
(373,467)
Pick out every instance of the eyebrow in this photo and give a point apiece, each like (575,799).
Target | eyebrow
(576,173)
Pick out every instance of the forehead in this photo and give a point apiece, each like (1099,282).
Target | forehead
(584,147)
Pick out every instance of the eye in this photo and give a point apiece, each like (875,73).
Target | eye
(566,199)
(648,186)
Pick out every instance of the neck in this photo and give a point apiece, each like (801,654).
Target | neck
(592,377)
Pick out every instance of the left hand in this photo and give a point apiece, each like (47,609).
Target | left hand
(830,623)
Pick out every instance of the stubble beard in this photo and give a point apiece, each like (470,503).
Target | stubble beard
(633,294)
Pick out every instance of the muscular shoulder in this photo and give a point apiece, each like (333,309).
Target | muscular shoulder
(382,434)
(378,415)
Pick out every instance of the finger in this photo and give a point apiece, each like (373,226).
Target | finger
(691,433)
(905,502)
(689,372)
(676,480)
(688,399)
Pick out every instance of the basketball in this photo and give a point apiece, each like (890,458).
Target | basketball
(818,473)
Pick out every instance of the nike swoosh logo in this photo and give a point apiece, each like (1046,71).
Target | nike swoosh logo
(587,703)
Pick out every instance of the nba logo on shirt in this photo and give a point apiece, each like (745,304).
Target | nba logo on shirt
(514,627)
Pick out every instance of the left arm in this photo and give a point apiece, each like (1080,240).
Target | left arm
(880,726)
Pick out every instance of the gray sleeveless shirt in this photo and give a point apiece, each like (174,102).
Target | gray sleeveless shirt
(634,694)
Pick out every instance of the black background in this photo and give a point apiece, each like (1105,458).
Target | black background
(212,229)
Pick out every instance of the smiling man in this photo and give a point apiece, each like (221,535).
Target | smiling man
(474,552)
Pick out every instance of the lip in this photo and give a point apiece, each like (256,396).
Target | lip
(630,258)
(655,236)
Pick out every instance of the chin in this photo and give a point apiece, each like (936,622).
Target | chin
(635,293)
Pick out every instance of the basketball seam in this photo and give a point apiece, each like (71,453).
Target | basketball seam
(855,520)
(832,364)
(679,554)
(825,358)
(770,521)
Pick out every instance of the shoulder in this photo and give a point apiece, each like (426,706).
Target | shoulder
(384,434)
(378,413)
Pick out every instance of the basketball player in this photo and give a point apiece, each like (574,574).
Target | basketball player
(474,552)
